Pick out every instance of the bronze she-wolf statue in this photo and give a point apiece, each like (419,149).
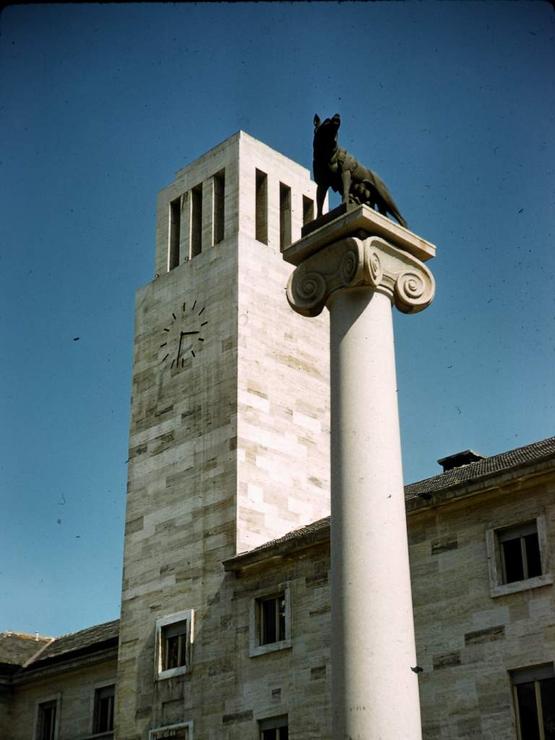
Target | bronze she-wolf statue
(335,168)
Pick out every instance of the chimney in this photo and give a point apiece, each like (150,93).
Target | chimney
(459,459)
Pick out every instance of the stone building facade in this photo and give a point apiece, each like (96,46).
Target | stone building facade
(62,688)
(225,617)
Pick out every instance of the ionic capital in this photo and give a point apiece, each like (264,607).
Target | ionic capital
(353,263)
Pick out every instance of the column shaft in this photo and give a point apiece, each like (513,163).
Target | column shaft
(374,690)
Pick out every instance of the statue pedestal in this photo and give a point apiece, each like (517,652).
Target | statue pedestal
(358,276)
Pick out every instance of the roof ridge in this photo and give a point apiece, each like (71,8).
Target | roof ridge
(85,629)
(30,635)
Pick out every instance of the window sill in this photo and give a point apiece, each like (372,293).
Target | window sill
(271,647)
(512,588)
(171,731)
(173,672)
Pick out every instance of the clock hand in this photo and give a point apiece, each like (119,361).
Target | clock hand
(185,333)
(179,347)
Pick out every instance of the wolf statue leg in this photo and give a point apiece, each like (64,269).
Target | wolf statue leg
(321,191)
(346,183)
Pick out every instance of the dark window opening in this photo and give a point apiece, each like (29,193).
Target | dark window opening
(308,210)
(219,206)
(284,216)
(271,616)
(520,552)
(261,207)
(174,645)
(46,729)
(175,233)
(103,719)
(277,733)
(534,698)
(274,729)
(196,220)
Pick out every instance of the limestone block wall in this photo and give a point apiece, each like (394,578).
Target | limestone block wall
(294,681)
(230,447)
(280,170)
(283,361)
(180,521)
(221,159)
(74,689)
(467,641)
(236,160)
(283,404)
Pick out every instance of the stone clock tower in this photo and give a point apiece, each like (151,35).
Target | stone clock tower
(229,439)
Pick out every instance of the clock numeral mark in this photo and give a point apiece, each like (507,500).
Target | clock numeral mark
(173,362)
(165,357)
(201,339)
(204,323)
(194,304)
(182,362)
(201,310)
(193,353)
(174,317)
(163,344)
(183,307)
(166,329)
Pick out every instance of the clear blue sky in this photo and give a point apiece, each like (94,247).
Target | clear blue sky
(452,103)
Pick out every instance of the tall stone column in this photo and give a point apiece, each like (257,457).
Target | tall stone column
(359,279)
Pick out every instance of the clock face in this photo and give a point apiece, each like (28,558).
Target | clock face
(182,337)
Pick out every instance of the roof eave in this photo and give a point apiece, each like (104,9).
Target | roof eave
(67,661)
(282,549)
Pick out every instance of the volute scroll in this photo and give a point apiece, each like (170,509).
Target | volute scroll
(355,262)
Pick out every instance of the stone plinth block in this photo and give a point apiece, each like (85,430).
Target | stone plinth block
(361,221)
(353,262)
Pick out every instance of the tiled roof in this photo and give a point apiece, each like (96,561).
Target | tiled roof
(536,452)
(92,638)
(16,648)
(309,534)
(466,474)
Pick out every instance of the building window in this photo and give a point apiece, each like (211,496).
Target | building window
(271,619)
(174,645)
(534,702)
(46,720)
(518,557)
(308,210)
(274,728)
(270,622)
(520,552)
(261,207)
(174,637)
(175,233)
(219,206)
(103,716)
(181,731)
(284,216)
(196,220)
